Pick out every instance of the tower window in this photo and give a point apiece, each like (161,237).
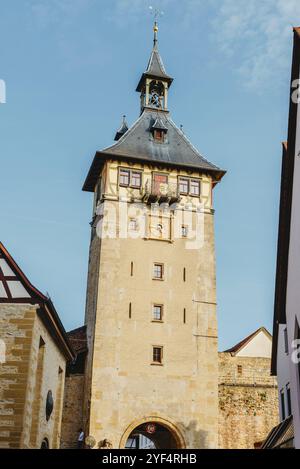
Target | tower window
(157,355)
(157,312)
(130,310)
(124,177)
(136,179)
(289,401)
(131,269)
(158,271)
(195,187)
(130,178)
(184,274)
(184,316)
(159,135)
(189,186)
(286,343)
(184,231)
(183,186)
(240,369)
(132,224)
(282,400)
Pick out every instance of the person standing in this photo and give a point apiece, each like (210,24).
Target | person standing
(80,440)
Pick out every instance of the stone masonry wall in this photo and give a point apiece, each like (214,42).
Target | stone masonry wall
(16,327)
(72,412)
(248,401)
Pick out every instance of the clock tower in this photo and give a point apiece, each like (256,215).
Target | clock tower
(151,377)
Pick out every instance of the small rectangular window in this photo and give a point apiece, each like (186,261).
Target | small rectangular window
(130,311)
(289,401)
(132,226)
(131,269)
(136,179)
(240,369)
(157,354)
(286,342)
(183,186)
(159,135)
(158,271)
(184,274)
(282,400)
(124,177)
(184,316)
(184,231)
(195,187)
(157,313)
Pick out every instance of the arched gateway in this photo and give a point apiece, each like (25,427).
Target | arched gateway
(152,433)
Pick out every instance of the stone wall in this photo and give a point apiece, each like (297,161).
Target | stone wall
(16,327)
(248,401)
(72,412)
(33,366)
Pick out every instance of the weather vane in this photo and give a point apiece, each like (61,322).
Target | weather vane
(156,12)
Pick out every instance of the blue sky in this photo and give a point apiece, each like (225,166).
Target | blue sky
(71,68)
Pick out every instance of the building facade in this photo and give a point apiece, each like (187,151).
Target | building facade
(286,327)
(33,356)
(248,402)
(152,366)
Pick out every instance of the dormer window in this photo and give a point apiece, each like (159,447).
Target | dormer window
(159,135)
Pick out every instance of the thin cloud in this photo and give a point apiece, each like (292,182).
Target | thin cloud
(259,34)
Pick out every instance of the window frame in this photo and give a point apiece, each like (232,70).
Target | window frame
(161,265)
(130,172)
(282,404)
(161,134)
(193,180)
(189,181)
(132,220)
(161,308)
(125,170)
(184,234)
(289,399)
(134,186)
(180,178)
(156,362)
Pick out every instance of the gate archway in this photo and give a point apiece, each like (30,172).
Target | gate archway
(152,433)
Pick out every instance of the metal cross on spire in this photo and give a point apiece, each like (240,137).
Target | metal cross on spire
(156,12)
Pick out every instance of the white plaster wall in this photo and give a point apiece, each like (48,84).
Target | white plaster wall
(259,346)
(293,289)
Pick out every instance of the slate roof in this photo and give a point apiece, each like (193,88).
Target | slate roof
(138,144)
(281,436)
(155,68)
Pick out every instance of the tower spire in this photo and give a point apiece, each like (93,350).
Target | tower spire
(155,30)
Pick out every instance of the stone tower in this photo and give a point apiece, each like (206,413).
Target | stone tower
(152,367)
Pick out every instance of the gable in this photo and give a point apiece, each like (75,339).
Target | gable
(14,285)
(260,346)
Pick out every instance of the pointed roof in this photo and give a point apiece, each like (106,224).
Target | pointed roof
(155,68)
(16,288)
(122,130)
(242,344)
(159,125)
(139,145)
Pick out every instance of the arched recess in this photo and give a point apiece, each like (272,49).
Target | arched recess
(170,426)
